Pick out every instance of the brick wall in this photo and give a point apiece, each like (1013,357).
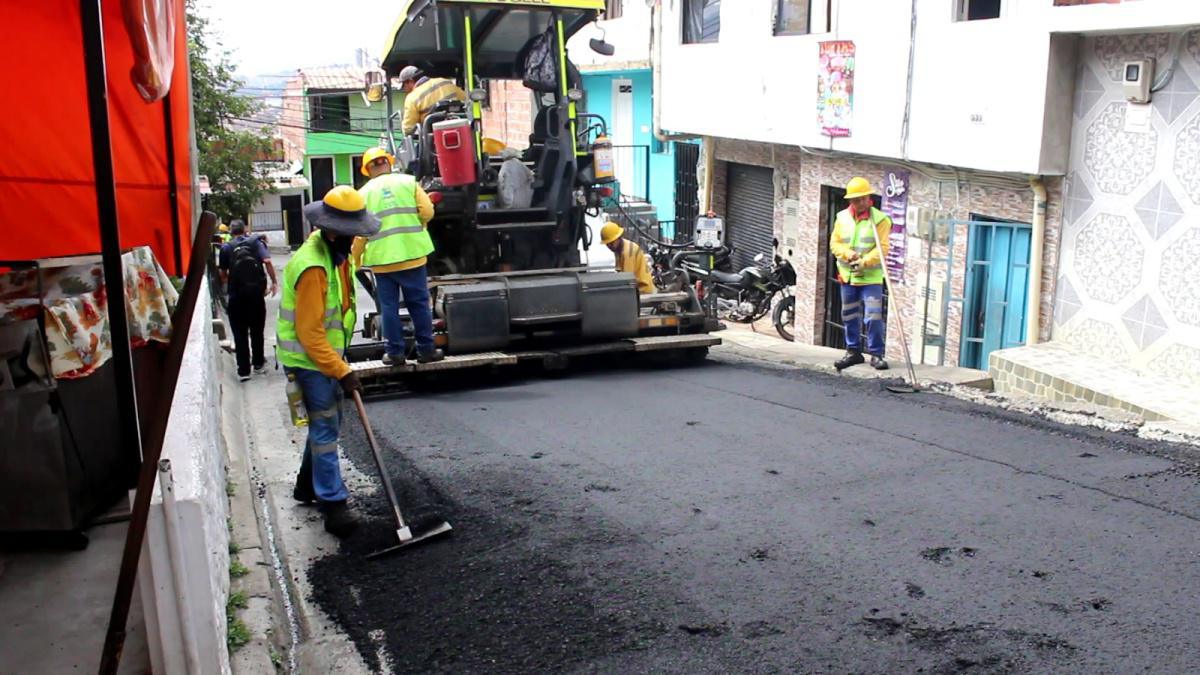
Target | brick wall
(803,177)
(510,118)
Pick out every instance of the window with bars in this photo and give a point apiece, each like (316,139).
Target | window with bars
(701,21)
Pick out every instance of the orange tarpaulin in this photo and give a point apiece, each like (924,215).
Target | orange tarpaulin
(47,185)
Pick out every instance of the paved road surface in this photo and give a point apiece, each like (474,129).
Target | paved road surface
(728,518)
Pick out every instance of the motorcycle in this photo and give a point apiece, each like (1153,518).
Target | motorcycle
(748,295)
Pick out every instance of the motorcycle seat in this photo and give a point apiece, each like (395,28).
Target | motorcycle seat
(726,277)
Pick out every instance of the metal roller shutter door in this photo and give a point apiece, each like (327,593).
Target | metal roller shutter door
(750,213)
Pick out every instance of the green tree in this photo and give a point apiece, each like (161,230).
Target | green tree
(226,139)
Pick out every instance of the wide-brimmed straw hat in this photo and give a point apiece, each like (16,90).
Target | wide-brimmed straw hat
(342,212)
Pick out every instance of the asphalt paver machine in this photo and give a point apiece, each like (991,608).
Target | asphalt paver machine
(510,282)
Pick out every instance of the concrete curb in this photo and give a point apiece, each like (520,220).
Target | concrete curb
(961,384)
(263,653)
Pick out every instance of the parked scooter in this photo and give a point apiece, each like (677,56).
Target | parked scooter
(748,295)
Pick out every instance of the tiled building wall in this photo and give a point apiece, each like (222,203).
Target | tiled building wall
(1131,244)
(799,177)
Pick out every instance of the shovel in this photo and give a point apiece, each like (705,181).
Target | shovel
(909,387)
(415,532)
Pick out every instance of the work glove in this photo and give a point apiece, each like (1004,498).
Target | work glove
(350,384)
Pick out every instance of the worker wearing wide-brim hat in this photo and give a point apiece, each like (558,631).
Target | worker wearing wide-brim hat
(859,242)
(317,317)
(629,256)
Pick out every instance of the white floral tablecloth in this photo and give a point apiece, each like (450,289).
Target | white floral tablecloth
(74,303)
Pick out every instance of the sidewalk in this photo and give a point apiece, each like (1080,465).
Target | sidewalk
(761,343)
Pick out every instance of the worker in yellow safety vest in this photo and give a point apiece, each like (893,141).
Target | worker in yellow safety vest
(317,317)
(629,256)
(859,243)
(421,94)
(396,255)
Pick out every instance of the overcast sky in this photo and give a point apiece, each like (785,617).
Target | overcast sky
(268,36)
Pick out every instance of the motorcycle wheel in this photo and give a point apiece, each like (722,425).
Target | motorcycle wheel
(784,318)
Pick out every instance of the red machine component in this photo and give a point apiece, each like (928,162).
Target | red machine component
(455,152)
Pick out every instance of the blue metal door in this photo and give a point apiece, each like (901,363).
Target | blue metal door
(995,302)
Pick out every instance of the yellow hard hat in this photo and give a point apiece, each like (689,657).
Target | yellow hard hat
(372,155)
(345,198)
(223,228)
(492,146)
(610,233)
(342,212)
(858,187)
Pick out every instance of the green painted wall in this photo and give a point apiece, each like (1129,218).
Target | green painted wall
(343,146)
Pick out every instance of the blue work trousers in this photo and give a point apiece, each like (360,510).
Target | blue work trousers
(323,400)
(857,302)
(415,288)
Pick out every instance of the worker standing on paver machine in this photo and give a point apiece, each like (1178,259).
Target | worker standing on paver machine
(397,255)
(630,257)
(421,94)
(316,321)
(859,243)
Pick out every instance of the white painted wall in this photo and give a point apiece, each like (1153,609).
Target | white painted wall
(193,444)
(753,85)
(629,34)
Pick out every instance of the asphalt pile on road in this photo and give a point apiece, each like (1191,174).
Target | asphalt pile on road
(491,596)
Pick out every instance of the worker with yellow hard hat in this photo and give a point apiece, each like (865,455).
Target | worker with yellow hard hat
(317,317)
(859,243)
(422,93)
(630,257)
(397,255)
(223,233)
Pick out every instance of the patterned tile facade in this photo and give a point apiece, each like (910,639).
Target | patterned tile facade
(799,178)
(1131,235)
(1114,255)
(1118,160)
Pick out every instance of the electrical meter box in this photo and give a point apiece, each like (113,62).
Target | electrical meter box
(1136,80)
(710,232)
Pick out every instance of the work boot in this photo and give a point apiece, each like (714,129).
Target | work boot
(853,357)
(339,520)
(393,360)
(430,356)
(878,363)
(303,491)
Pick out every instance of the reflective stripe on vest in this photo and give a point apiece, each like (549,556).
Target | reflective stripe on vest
(338,326)
(393,199)
(435,91)
(863,240)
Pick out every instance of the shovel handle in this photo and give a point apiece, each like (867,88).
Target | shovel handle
(383,474)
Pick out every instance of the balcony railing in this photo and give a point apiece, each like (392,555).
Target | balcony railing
(343,125)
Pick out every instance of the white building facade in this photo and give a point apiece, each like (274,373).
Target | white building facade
(999,113)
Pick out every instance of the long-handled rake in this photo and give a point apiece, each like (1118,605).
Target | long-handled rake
(419,529)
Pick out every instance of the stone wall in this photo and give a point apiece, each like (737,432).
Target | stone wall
(799,177)
(1131,249)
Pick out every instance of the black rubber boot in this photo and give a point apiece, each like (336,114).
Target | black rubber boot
(878,363)
(852,358)
(339,520)
(430,356)
(390,360)
(303,491)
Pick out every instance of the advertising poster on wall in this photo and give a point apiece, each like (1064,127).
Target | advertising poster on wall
(895,205)
(835,87)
